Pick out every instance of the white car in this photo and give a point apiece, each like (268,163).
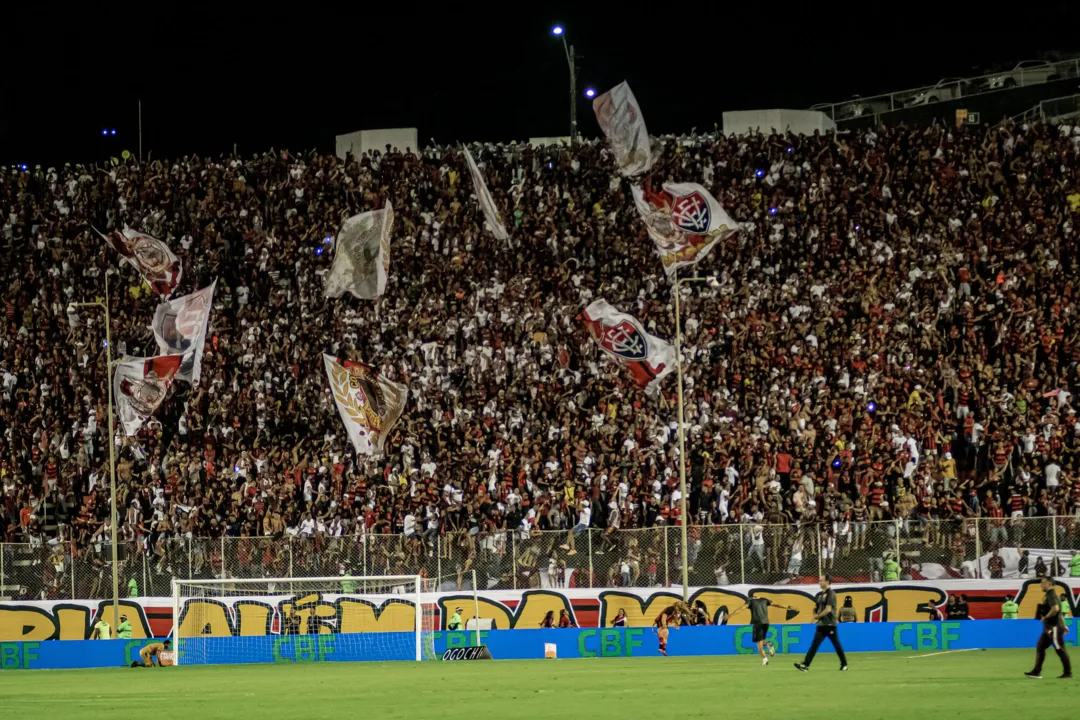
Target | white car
(945,89)
(1026,72)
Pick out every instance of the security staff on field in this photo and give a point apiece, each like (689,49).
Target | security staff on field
(825,615)
(1009,609)
(455,620)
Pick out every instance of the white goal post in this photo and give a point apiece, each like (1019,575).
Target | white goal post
(244,620)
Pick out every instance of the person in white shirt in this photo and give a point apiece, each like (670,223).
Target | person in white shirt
(410,525)
(584,518)
(1052,471)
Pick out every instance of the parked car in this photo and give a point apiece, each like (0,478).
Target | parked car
(856,107)
(1026,72)
(945,89)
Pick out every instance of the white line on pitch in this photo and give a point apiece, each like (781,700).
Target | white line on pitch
(946,652)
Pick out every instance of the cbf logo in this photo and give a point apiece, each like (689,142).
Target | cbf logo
(691,213)
(624,340)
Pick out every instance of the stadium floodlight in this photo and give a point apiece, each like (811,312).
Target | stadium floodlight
(354,609)
(559,32)
(590,92)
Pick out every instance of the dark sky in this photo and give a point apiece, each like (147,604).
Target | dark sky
(212,76)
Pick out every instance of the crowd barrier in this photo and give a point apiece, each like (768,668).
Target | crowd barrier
(530,644)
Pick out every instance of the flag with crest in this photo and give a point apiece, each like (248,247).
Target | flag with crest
(648,358)
(140,386)
(684,220)
(154,260)
(179,327)
(369,404)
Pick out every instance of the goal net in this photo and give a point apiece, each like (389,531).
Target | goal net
(343,618)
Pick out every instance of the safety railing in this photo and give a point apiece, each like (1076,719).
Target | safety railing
(872,551)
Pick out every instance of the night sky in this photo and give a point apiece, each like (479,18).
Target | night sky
(294,78)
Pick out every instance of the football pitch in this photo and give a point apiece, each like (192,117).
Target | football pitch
(878,685)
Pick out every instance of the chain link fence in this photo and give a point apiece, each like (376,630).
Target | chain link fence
(717,555)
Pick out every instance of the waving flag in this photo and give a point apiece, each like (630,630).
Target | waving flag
(648,358)
(620,118)
(179,327)
(140,386)
(684,220)
(487,205)
(160,268)
(369,404)
(362,255)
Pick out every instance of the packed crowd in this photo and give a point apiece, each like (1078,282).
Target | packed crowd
(893,334)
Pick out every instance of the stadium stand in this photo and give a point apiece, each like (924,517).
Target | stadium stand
(892,337)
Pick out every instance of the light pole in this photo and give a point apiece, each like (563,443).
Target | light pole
(561,33)
(682,431)
(112,450)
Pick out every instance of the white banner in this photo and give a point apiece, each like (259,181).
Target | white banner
(140,386)
(648,358)
(362,255)
(179,327)
(684,220)
(369,404)
(487,205)
(620,118)
(153,259)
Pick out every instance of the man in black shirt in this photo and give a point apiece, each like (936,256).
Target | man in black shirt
(1053,633)
(825,615)
(759,619)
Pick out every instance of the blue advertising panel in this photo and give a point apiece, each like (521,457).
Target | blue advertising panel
(526,644)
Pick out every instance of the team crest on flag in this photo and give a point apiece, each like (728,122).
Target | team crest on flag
(154,260)
(684,220)
(179,327)
(140,386)
(369,404)
(648,358)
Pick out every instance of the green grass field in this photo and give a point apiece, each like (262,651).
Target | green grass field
(878,685)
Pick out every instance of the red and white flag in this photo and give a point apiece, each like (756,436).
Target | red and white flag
(140,386)
(684,220)
(369,404)
(154,260)
(487,204)
(620,118)
(179,327)
(648,358)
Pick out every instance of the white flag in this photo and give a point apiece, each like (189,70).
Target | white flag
(491,213)
(140,386)
(369,404)
(362,255)
(179,327)
(684,220)
(154,260)
(620,118)
(648,358)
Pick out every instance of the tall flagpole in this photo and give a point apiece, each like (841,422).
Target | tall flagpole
(682,444)
(104,305)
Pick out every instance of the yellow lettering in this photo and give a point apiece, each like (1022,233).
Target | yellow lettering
(26,624)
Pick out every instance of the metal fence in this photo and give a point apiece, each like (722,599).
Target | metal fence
(716,555)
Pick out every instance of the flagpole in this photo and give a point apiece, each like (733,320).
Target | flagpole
(682,431)
(682,444)
(112,449)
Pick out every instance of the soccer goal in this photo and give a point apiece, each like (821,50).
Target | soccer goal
(341,618)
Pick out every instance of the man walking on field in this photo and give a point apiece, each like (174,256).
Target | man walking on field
(1053,633)
(759,619)
(825,615)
